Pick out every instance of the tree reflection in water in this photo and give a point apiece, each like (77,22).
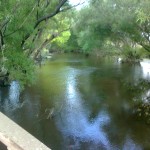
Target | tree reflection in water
(93,110)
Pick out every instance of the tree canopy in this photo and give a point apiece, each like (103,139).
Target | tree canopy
(29,26)
(113,22)
(25,28)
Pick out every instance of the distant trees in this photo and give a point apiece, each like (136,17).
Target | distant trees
(113,23)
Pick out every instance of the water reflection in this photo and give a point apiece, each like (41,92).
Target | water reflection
(14,92)
(75,123)
(18,106)
(92,108)
(146,96)
(145,64)
(129,144)
(11,102)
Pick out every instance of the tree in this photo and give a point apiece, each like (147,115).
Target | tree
(22,24)
(113,22)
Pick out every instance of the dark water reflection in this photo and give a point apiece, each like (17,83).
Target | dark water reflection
(92,110)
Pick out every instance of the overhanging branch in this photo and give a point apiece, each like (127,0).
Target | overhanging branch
(47,41)
(44,18)
(72,7)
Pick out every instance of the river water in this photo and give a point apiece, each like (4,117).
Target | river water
(89,106)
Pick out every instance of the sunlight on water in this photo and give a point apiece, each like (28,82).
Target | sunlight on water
(131,145)
(76,123)
(146,97)
(145,64)
(70,89)
(14,93)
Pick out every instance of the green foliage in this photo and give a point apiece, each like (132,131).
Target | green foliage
(61,25)
(131,54)
(72,44)
(141,85)
(20,67)
(143,112)
(120,22)
(22,32)
(143,53)
(61,40)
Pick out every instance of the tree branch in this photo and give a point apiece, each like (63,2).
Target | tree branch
(65,9)
(47,41)
(1,40)
(146,47)
(22,22)
(57,10)
(44,18)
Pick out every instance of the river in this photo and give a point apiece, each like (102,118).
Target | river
(89,106)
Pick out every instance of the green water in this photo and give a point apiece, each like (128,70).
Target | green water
(92,110)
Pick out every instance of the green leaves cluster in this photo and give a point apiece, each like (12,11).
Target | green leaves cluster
(20,67)
(119,23)
(26,27)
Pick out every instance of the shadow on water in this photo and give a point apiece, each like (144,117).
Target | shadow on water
(79,103)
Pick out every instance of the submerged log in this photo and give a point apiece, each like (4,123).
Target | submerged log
(50,113)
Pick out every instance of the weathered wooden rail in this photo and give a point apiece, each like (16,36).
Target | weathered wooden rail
(16,138)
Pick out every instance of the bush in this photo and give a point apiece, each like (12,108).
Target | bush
(130,54)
